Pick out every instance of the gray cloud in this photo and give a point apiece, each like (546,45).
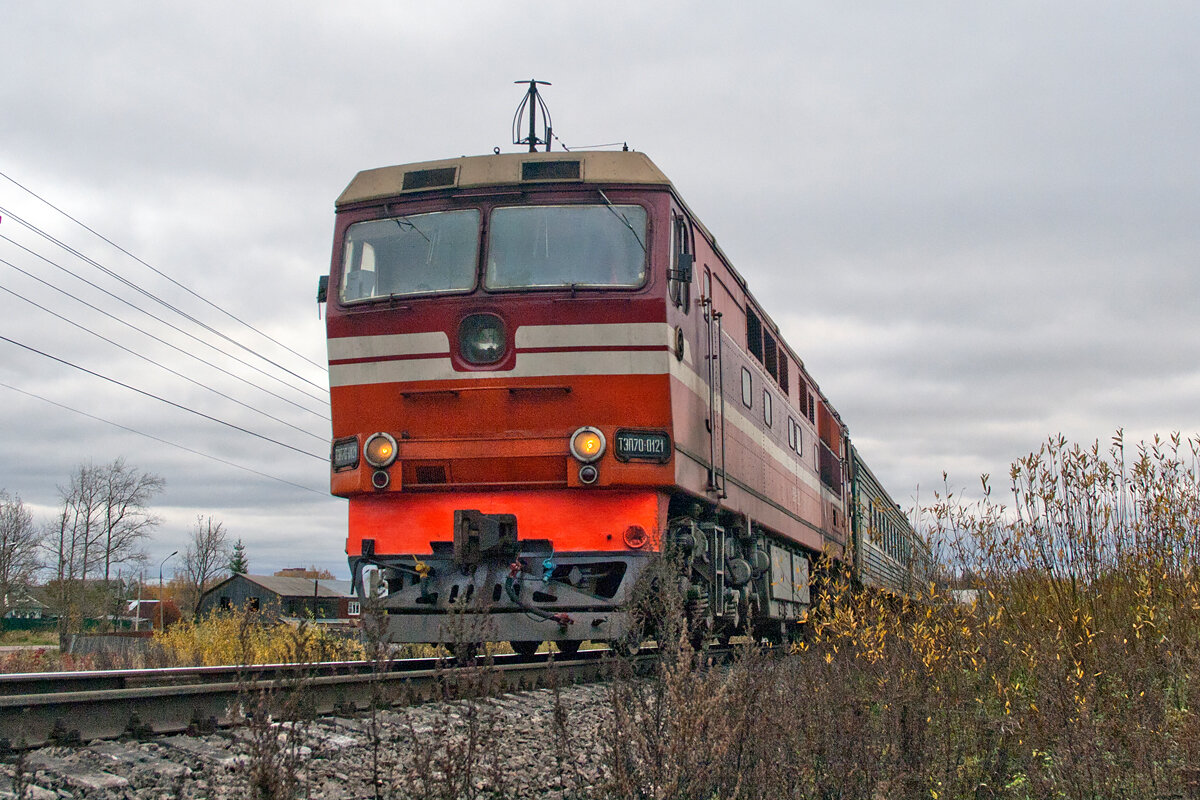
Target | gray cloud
(976,225)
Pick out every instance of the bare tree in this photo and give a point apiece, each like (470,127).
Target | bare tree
(124,494)
(205,559)
(99,529)
(20,543)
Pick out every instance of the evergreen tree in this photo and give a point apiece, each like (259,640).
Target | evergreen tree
(238,563)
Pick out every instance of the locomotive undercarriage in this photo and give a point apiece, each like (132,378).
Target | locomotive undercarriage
(738,579)
(487,585)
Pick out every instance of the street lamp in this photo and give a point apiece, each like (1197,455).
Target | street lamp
(161,596)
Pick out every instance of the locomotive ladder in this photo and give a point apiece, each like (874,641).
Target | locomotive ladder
(716,394)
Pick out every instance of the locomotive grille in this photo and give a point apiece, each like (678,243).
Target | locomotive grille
(550,170)
(429,178)
(430,473)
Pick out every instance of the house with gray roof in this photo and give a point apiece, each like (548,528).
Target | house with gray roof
(326,602)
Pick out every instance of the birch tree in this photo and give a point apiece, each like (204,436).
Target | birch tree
(97,535)
(20,543)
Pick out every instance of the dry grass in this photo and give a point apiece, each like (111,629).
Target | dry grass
(1075,675)
(248,637)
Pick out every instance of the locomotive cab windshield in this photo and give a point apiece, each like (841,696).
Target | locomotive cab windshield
(528,247)
(417,254)
(577,245)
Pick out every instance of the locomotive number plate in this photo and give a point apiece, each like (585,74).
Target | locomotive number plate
(635,445)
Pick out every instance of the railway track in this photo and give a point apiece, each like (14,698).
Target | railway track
(75,707)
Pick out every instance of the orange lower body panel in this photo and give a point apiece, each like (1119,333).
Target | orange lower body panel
(575,520)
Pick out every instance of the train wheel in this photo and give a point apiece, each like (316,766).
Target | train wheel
(525,649)
(568,647)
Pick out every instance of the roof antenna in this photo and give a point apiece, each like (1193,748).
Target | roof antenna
(531,101)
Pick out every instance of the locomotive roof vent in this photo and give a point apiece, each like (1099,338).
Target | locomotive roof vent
(558,170)
(430,178)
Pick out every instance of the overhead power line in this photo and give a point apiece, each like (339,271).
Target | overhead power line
(150,295)
(158,272)
(172,326)
(162,399)
(165,441)
(160,365)
(160,340)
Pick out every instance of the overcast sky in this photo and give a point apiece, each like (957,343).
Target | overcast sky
(979,225)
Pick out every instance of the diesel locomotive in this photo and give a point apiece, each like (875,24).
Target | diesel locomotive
(543,370)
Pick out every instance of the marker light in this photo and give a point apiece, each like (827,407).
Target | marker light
(587,444)
(379,450)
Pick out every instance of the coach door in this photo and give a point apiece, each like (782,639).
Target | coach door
(716,392)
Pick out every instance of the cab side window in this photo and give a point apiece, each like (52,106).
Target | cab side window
(681,269)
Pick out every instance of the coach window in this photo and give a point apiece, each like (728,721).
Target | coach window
(747,389)
(768,417)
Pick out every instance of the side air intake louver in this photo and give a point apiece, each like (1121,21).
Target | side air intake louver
(429,178)
(550,171)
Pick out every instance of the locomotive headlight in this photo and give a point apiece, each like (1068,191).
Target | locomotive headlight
(379,450)
(481,338)
(344,454)
(587,444)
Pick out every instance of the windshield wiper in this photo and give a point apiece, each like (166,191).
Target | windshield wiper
(623,218)
(404,223)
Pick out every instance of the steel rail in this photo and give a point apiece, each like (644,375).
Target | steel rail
(69,708)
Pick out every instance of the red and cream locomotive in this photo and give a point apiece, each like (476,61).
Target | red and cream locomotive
(542,368)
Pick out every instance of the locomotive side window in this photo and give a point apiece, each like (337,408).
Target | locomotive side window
(410,255)
(794,439)
(768,416)
(545,247)
(747,389)
(681,245)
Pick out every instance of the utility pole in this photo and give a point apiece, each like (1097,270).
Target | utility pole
(162,597)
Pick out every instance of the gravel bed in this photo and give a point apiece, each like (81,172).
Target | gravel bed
(533,744)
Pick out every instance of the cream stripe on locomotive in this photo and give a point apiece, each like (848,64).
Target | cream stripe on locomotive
(400,344)
(635,334)
(436,343)
(529,365)
(549,364)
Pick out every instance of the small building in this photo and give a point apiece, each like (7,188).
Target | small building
(326,602)
(147,614)
(21,604)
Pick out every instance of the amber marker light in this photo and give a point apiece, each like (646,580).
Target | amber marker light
(379,450)
(587,444)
